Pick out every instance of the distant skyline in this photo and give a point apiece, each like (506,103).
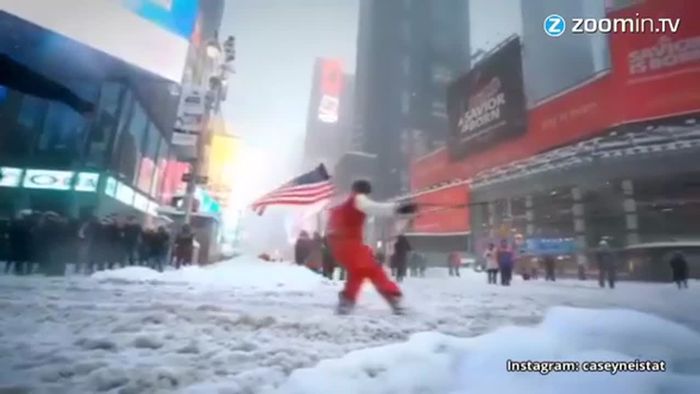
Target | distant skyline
(277,43)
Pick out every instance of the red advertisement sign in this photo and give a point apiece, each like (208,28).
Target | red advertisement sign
(331,86)
(653,76)
(658,74)
(172,181)
(444,211)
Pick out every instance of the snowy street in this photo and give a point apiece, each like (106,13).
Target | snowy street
(243,327)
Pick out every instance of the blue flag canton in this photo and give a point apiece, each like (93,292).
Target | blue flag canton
(315,176)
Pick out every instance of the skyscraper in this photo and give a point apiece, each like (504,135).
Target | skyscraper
(407,52)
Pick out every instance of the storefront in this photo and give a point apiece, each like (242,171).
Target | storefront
(81,109)
(72,194)
(611,157)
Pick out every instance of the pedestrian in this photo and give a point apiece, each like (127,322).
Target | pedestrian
(314,261)
(491,264)
(454,261)
(159,244)
(422,265)
(401,250)
(679,268)
(132,237)
(328,262)
(506,262)
(302,248)
(607,269)
(549,268)
(184,247)
(346,239)
(20,243)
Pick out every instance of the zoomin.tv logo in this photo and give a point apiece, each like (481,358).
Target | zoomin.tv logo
(554,25)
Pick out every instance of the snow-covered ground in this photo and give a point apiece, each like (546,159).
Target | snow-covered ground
(251,327)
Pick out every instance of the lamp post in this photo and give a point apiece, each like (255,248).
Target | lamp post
(212,101)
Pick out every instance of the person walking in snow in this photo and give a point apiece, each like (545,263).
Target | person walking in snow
(606,265)
(506,262)
(454,261)
(401,250)
(184,247)
(346,238)
(491,264)
(679,268)
(549,268)
(314,261)
(328,263)
(302,248)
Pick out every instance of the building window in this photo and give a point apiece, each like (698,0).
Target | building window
(406,31)
(105,125)
(148,161)
(61,138)
(439,109)
(405,102)
(128,153)
(406,66)
(441,74)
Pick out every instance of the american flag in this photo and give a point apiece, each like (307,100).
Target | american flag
(306,189)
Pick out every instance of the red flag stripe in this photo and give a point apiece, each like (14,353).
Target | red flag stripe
(305,193)
(296,201)
(284,197)
(292,189)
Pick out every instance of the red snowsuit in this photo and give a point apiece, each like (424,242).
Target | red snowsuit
(345,238)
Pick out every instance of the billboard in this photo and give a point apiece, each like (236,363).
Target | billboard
(653,76)
(221,170)
(569,59)
(445,211)
(331,86)
(150,34)
(487,105)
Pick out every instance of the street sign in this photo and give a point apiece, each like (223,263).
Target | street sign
(181,138)
(190,114)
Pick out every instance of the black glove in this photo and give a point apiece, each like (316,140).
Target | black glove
(407,208)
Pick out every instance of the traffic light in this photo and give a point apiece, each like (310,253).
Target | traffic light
(230,48)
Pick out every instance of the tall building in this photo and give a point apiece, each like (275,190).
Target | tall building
(87,119)
(407,53)
(329,119)
(606,151)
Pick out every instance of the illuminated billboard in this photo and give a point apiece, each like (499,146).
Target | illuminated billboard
(331,86)
(223,155)
(151,34)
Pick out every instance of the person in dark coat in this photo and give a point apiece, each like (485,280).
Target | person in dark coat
(506,262)
(159,242)
(606,265)
(116,252)
(132,237)
(328,262)
(302,248)
(679,267)
(549,268)
(401,250)
(184,246)
(20,244)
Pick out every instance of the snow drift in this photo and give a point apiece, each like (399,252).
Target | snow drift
(436,363)
(240,273)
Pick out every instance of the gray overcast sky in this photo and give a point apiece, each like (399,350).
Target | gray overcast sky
(277,42)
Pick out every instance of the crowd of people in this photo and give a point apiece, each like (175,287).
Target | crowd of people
(46,242)
(499,262)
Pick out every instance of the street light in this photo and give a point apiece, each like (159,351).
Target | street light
(213,49)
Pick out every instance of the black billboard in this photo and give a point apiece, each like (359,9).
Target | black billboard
(487,105)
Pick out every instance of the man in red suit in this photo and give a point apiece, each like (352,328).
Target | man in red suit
(346,240)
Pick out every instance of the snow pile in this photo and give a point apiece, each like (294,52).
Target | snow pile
(437,363)
(240,272)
